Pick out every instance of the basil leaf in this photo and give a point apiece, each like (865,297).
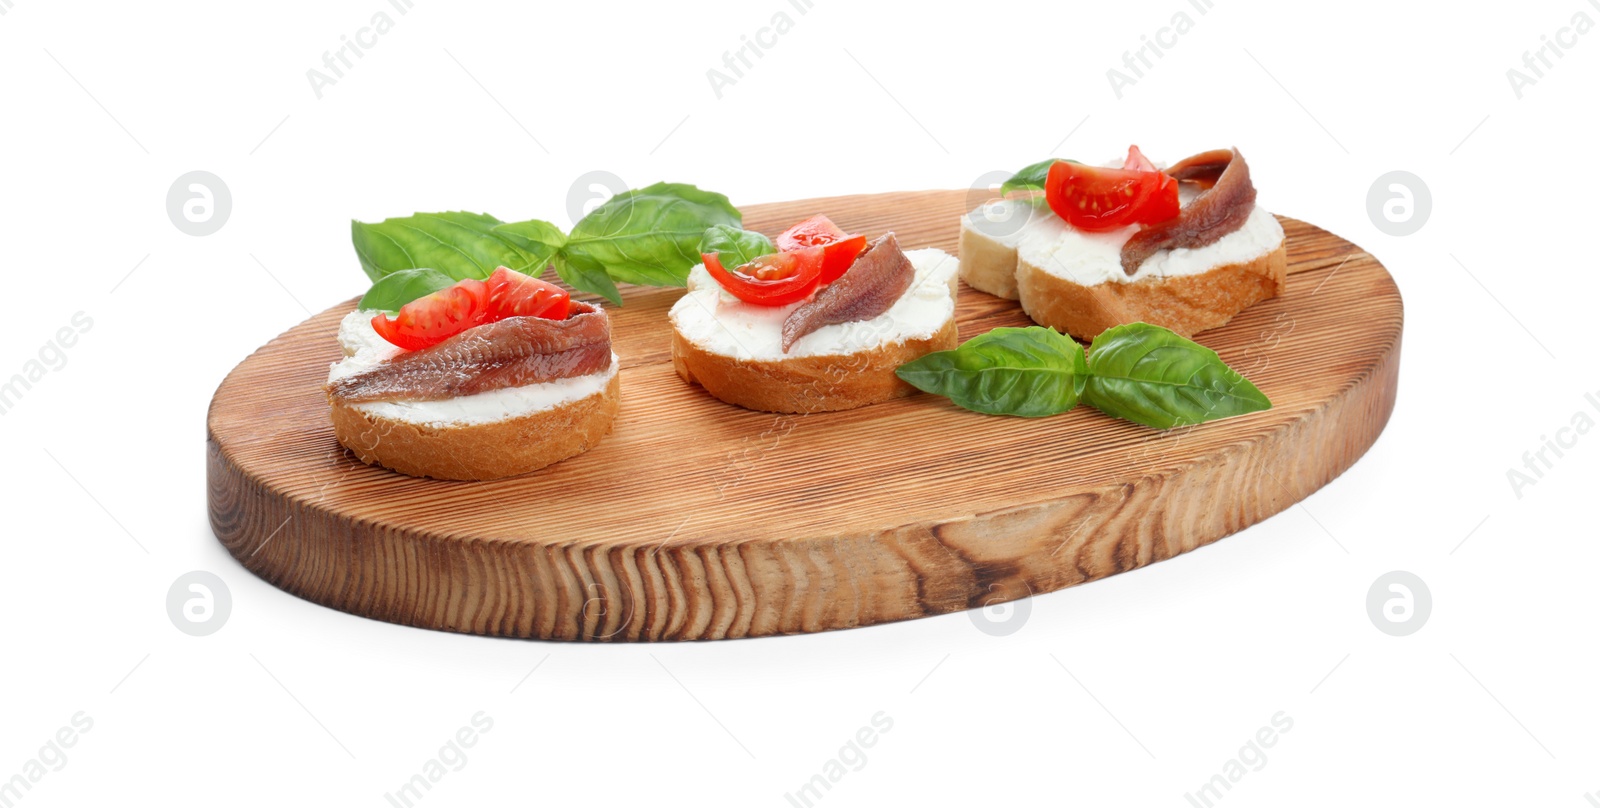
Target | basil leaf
(459,244)
(649,236)
(539,240)
(585,275)
(735,247)
(1152,376)
(399,288)
(1030,372)
(545,243)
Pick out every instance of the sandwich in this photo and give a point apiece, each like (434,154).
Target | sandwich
(480,380)
(817,321)
(1185,248)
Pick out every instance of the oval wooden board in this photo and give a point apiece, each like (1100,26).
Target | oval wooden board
(698,520)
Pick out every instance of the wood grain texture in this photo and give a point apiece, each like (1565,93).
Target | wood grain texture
(699,520)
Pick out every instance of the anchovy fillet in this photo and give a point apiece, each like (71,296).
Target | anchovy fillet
(512,352)
(1221,209)
(880,275)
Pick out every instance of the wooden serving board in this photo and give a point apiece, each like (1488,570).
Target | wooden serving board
(698,520)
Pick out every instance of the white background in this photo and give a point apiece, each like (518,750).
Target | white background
(500,107)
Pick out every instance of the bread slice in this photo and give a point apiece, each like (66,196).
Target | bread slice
(478,451)
(806,383)
(485,436)
(1187,304)
(732,349)
(1073,281)
(988,261)
(990,235)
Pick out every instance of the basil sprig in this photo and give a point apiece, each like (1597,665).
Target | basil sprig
(546,241)
(1031,372)
(1138,372)
(647,236)
(735,247)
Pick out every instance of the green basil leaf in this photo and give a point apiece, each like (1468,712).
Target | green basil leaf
(1149,375)
(1030,372)
(546,243)
(399,288)
(1030,178)
(735,247)
(585,275)
(459,244)
(649,236)
(540,240)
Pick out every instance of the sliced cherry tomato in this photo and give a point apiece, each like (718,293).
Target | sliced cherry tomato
(1136,161)
(1160,211)
(1096,199)
(1162,204)
(839,249)
(771,280)
(437,317)
(513,294)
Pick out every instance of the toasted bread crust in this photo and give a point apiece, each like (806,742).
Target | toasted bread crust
(479,451)
(986,264)
(1187,304)
(806,383)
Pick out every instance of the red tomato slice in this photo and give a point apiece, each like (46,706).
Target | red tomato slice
(839,249)
(437,317)
(771,280)
(1098,199)
(1136,161)
(513,294)
(817,231)
(839,256)
(1162,204)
